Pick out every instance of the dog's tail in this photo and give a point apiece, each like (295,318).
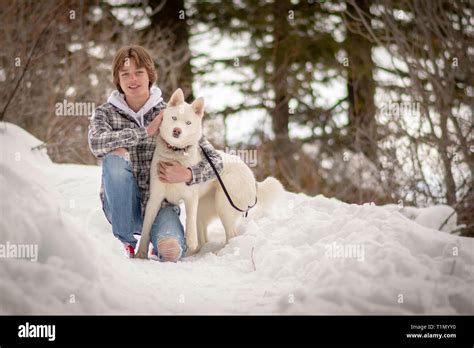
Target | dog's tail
(269,191)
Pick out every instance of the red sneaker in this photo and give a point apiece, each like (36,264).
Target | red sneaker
(129,250)
(153,255)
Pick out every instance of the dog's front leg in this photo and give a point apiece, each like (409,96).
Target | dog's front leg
(152,207)
(191,205)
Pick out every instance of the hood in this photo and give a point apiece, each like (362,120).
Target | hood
(117,99)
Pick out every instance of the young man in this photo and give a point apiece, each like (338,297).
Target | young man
(122,133)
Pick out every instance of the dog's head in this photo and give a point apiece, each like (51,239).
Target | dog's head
(182,123)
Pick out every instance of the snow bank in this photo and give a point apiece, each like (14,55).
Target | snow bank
(309,255)
(360,259)
(58,262)
(432,217)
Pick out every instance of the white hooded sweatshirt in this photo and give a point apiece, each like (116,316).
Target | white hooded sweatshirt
(117,99)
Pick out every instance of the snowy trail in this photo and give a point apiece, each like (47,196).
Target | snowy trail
(206,283)
(395,265)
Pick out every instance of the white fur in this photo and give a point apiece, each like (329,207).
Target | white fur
(205,201)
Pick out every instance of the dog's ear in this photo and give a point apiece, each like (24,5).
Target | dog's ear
(177,98)
(198,106)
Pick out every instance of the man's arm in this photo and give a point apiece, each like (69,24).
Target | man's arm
(203,171)
(103,139)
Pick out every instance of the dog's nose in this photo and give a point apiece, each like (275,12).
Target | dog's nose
(176,132)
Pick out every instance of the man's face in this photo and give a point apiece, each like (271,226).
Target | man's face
(133,80)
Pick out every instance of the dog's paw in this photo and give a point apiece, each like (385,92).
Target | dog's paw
(193,251)
(141,254)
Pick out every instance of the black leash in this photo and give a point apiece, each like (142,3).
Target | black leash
(223,186)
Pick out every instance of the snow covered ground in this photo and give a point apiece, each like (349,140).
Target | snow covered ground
(310,255)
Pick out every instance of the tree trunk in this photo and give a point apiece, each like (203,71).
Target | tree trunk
(361,86)
(171,15)
(280,114)
(280,86)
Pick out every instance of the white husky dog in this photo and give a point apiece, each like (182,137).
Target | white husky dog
(207,200)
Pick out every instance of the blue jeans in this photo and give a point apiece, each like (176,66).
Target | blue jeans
(122,207)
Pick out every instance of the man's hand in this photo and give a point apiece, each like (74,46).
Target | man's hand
(173,172)
(154,125)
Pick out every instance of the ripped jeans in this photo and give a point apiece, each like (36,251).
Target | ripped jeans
(122,207)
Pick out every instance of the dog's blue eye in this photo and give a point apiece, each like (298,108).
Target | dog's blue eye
(188,122)
(174,118)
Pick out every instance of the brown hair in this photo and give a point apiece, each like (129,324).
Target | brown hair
(142,59)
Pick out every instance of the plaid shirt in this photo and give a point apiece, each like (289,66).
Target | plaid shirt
(111,128)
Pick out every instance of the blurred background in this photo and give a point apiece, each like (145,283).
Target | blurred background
(364,101)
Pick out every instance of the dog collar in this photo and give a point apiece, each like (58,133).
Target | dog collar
(174,148)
